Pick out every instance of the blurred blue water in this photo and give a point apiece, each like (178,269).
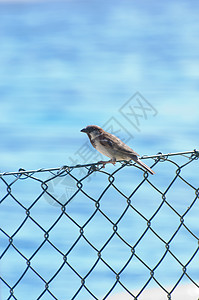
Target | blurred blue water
(68,64)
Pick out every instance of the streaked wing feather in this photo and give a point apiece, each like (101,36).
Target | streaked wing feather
(118,145)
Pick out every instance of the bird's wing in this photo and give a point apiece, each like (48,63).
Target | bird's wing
(112,141)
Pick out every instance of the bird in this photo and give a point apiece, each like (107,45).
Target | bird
(112,147)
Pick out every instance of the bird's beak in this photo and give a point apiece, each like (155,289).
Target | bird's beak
(83,130)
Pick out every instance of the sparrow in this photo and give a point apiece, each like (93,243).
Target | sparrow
(111,146)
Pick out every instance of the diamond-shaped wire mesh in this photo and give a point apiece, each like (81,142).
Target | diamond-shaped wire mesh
(85,232)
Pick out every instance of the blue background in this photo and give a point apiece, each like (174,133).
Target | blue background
(68,64)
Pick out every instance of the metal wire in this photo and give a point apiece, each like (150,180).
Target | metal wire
(74,181)
(157,156)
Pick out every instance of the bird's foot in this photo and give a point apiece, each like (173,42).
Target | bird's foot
(111,161)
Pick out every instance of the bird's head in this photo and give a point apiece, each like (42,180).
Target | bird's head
(92,130)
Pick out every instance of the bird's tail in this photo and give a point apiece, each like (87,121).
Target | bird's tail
(139,162)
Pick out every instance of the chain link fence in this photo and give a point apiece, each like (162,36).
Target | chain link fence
(85,232)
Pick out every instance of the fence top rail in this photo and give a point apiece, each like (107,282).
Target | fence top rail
(159,155)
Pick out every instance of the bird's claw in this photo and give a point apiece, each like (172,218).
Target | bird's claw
(106,162)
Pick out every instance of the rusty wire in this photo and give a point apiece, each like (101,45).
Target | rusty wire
(42,184)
